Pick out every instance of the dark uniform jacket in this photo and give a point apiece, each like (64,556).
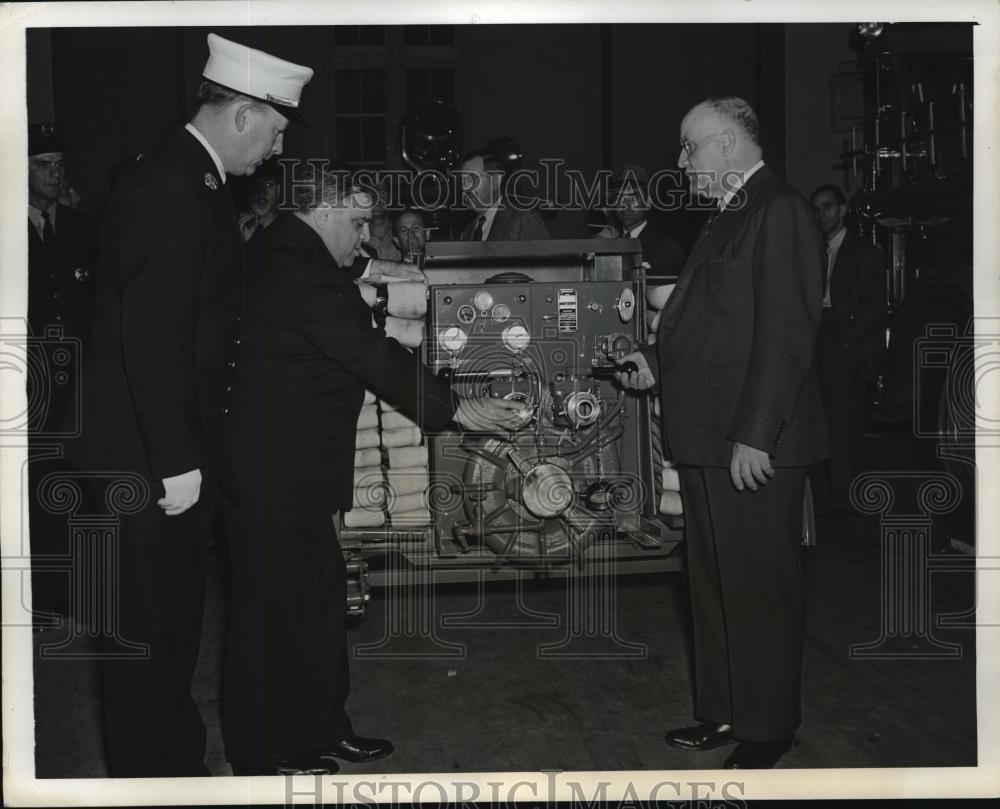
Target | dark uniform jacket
(61,279)
(61,275)
(308,353)
(168,302)
(737,339)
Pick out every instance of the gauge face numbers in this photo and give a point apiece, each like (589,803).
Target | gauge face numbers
(483,301)
(516,338)
(453,339)
(466,314)
(501,312)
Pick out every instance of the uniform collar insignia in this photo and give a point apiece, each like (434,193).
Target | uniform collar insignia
(210,181)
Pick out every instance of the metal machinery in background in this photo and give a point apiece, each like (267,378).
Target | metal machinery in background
(576,485)
(912,150)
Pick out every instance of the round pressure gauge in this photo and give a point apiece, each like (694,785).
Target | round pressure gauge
(453,339)
(501,312)
(483,301)
(516,337)
(466,313)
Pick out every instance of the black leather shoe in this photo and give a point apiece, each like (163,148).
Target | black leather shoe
(756,755)
(700,737)
(358,748)
(303,764)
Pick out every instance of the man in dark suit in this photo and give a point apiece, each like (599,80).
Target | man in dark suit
(852,342)
(630,220)
(308,354)
(168,302)
(482,177)
(742,417)
(62,252)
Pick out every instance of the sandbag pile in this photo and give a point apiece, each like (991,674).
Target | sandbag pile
(668,485)
(390,470)
(405,309)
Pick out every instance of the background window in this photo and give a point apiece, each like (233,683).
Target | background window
(379,74)
(360,117)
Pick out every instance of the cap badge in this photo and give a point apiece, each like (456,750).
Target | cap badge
(81,274)
(210,181)
(288,102)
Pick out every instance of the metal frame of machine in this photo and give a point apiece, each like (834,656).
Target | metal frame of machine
(573,492)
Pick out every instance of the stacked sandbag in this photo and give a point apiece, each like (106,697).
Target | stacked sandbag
(656,299)
(670,495)
(407,475)
(390,470)
(405,308)
(369,493)
(668,485)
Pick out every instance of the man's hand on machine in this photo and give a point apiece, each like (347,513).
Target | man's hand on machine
(634,373)
(487,415)
(380,270)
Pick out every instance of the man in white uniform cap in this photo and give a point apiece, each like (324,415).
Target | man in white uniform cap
(167,317)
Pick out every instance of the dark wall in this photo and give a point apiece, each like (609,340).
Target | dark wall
(539,84)
(816,130)
(595,96)
(41,103)
(120,90)
(117,91)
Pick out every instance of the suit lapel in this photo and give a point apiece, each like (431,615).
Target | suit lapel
(842,282)
(498,230)
(718,229)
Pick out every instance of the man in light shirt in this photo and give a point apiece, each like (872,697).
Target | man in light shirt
(852,342)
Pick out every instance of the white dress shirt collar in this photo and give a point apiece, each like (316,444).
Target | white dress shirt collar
(741,180)
(836,240)
(636,229)
(208,148)
(35,217)
(489,215)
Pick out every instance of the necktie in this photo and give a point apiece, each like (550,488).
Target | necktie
(829,274)
(626,234)
(712,218)
(478,235)
(48,232)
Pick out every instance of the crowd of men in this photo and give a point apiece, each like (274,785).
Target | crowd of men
(226,360)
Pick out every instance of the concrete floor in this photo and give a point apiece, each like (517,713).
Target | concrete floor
(499,697)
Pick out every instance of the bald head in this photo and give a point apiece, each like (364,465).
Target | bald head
(718,136)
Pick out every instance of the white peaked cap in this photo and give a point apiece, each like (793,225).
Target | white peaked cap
(257,74)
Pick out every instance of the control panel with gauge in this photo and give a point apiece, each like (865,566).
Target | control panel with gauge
(575,481)
(469,323)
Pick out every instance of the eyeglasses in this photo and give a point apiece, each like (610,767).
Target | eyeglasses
(691,146)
